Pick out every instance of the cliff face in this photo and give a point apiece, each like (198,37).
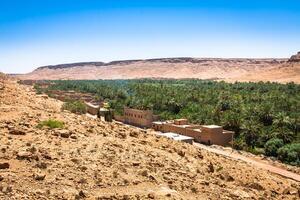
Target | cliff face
(91,159)
(214,69)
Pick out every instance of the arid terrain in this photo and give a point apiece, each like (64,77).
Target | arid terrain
(277,70)
(92,159)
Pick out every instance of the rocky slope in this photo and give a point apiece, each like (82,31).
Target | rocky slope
(99,160)
(219,69)
(295,58)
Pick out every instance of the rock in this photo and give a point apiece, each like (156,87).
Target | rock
(6,189)
(181,153)
(211,168)
(144,173)
(73,136)
(25,155)
(41,165)
(16,132)
(4,165)
(1,178)
(255,186)
(226,176)
(290,190)
(80,195)
(64,133)
(39,177)
(151,196)
(134,134)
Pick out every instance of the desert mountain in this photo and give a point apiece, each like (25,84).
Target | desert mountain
(92,159)
(279,70)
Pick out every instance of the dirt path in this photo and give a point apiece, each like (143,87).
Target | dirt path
(252,161)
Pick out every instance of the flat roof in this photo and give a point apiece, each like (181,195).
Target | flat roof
(158,122)
(180,119)
(175,136)
(91,105)
(211,126)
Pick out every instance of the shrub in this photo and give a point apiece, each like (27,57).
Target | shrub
(290,153)
(272,146)
(256,151)
(77,107)
(51,124)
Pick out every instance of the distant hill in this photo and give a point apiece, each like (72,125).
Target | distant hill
(295,58)
(235,69)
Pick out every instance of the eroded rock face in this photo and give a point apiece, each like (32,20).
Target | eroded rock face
(295,58)
(94,159)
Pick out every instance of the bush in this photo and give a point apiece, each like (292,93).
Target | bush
(51,124)
(77,107)
(272,146)
(290,153)
(256,151)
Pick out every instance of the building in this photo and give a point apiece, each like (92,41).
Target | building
(177,137)
(209,134)
(92,109)
(140,118)
(105,114)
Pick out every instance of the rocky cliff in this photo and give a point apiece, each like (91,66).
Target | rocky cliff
(278,70)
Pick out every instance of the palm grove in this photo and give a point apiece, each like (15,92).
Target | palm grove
(264,116)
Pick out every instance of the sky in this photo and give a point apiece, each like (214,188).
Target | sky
(36,33)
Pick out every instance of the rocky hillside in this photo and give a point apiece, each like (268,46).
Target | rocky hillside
(216,69)
(295,58)
(90,159)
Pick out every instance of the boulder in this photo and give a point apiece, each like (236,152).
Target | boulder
(25,155)
(4,165)
(39,177)
(64,133)
(14,131)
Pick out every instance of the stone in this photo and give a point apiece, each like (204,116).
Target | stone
(41,165)
(181,153)
(16,132)
(1,178)
(25,155)
(211,168)
(64,133)
(151,196)
(256,186)
(4,165)
(226,176)
(39,177)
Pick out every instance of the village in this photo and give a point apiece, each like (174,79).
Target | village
(177,129)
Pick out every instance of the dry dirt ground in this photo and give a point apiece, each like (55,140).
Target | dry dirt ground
(99,160)
(230,70)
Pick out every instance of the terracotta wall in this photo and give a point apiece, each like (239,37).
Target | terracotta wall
(142,118)
(119,118)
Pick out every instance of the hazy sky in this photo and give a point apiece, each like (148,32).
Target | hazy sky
(43,32)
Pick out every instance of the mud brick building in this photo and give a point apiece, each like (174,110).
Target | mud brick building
(209,134)
(140,118)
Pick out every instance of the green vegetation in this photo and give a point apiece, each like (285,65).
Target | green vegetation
(272,146)
(264,116)
(77,107)
(290,153)
(51,124)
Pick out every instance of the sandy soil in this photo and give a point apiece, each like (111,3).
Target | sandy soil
(98,160)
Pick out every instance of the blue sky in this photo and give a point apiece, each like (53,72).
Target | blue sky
(42,32)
